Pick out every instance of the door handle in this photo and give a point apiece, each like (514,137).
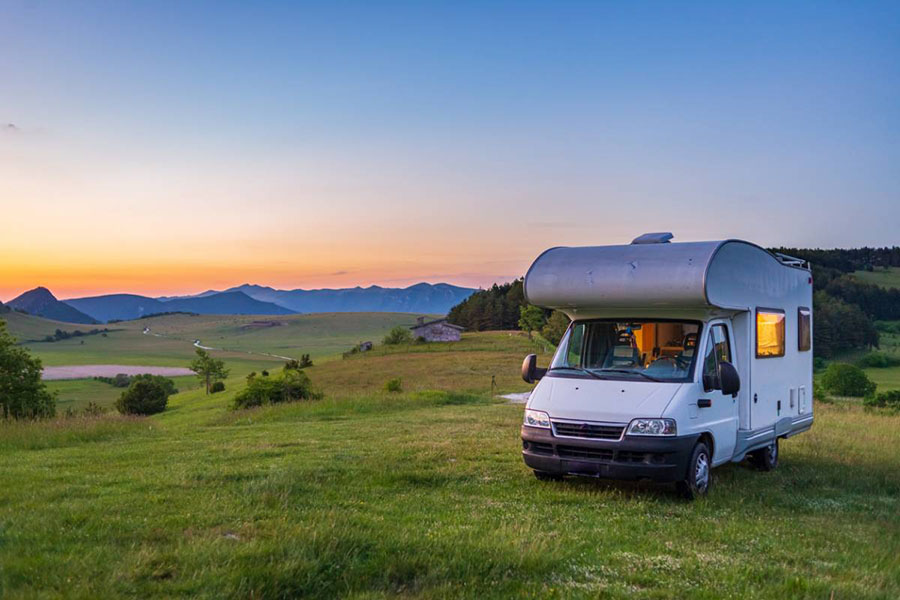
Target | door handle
(704,403)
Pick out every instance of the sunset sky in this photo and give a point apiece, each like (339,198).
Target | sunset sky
(161,148)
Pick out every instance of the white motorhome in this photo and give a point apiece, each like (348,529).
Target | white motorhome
(680,357)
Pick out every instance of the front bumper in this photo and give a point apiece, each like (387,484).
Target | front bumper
(662,459)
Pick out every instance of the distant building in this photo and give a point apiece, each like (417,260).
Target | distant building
(436,331)
(365,346)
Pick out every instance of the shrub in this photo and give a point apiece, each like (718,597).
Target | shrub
(556,327)
(841,379)
(218,386)
(291,385)
(143,397)
(393,385)
(819,394)
(878,360)
(92,410)
(121,380)
(818,363)
(889,399)
(398,335)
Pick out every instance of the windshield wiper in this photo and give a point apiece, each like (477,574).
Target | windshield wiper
(629,372)
(579,369)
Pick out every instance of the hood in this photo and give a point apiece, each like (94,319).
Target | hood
(601,400)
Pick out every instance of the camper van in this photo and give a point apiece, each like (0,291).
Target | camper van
(680,357)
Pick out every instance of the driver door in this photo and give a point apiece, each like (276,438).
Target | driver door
(718,412)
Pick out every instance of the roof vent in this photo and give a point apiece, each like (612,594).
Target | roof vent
(662,237)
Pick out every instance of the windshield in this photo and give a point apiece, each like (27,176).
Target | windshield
(653,350)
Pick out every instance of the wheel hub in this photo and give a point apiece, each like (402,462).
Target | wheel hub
(701,473)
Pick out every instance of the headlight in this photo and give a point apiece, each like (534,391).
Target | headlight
(652,427)
(537,418)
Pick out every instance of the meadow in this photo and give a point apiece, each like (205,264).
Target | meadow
(247,343)
(423,493)
(888,278)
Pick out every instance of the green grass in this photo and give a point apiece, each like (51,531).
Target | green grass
(424,494)
(75,394)
(243,340)
(888,278)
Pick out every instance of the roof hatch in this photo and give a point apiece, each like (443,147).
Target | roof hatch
(662,237)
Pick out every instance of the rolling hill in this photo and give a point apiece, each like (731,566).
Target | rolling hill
(41,302)
(126,307)
(226,303)
(123,307)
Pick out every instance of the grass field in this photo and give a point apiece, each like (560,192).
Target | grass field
(889,278)
(423,494)
(246,342)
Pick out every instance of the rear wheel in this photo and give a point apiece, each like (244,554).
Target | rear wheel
(545,476)
(766,458)
(698,477)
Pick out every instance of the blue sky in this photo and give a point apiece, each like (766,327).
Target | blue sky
(314,144)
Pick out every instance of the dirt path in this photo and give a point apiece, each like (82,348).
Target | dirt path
(87,371)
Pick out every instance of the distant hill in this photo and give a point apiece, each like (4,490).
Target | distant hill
(423,298)
(225,303)
(3,308)
(121,307)
(126,307)
(247,299)
(42,303)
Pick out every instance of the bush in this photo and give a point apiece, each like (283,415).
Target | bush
(291,385)
(556,327)
(23,395)
(818,363)
(878,360)
(398,335)
(218,386)
(841,379)
(889,399)
(393,385)
(819,394)
(143,397)
(121,380)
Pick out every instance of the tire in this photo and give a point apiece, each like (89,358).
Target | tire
(545,476)
(698,478)
(766,459)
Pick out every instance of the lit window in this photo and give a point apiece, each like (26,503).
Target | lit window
(769,333)
(804,339)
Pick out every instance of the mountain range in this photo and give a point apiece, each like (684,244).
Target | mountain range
(245,299)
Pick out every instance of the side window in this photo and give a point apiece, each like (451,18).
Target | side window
(717,350)
(720,339)
(769,333)
(804,337)
(709,359)
(573,356)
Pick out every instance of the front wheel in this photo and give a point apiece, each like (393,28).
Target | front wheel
(766,459)
(697,479)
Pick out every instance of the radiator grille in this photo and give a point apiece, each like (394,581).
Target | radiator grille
(591,431)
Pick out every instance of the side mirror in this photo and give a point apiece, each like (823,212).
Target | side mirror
(530,371)
(729,380)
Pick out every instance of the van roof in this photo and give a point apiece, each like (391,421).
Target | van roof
(651,272)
